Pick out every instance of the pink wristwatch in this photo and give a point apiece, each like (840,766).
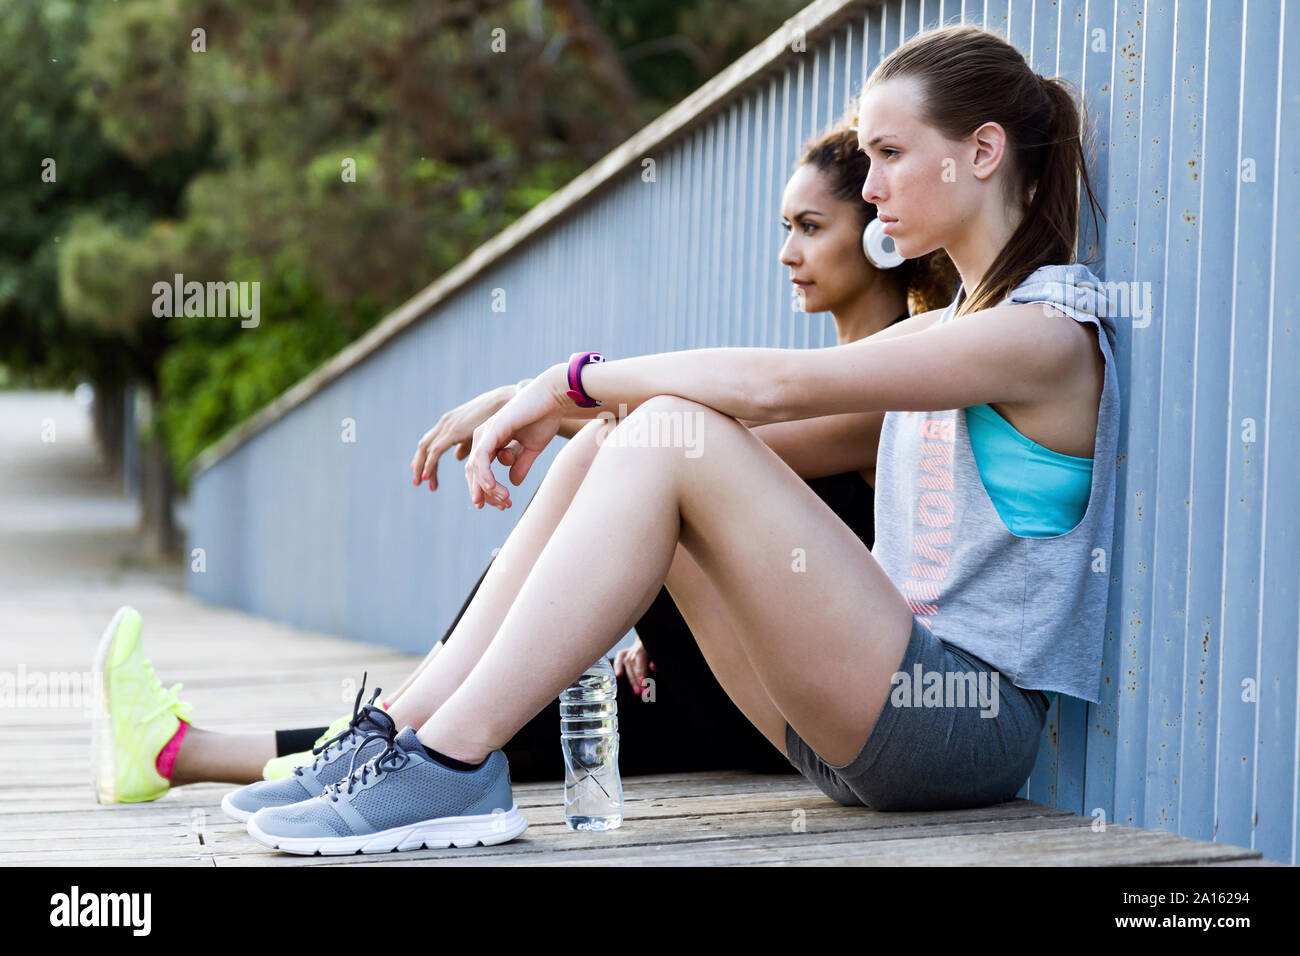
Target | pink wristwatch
(576,361)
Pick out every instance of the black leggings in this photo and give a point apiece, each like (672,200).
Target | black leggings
(691,724)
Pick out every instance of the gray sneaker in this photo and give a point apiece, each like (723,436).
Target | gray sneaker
(401,800)
(364,738)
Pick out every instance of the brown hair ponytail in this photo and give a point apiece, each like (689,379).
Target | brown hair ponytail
(969,77)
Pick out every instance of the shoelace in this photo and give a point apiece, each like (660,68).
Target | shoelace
(392,759)
(358,713)
(168,699)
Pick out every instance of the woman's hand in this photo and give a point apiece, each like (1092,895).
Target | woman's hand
(636,661)
(516,435)
(456,427)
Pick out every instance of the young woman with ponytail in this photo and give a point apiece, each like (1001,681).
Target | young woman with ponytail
(912,675)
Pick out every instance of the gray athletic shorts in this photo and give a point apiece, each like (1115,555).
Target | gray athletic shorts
(936,753)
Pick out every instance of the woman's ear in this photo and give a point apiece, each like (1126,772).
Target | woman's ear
(990,143)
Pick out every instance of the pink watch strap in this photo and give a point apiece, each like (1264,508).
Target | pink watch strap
(576,392)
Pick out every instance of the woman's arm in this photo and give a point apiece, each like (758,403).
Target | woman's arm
(917,323)
(1015,353)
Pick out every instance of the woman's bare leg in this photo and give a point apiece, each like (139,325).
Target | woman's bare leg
(714,630)
(239,758)
(207,756)
(419,669)
(441,673)
(709,621)
(222,758)
(821,624)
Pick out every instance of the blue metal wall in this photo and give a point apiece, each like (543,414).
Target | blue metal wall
(1197,731)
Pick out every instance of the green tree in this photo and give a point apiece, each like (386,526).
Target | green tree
(57,167)
(342,154)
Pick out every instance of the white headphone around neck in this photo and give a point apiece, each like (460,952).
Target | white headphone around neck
(879,248)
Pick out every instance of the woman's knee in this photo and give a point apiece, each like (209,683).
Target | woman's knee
(676,404)
(671,422)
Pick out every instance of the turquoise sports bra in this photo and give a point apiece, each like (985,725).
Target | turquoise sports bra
(1038,493)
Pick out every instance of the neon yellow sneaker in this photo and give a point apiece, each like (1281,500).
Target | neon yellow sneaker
(277,768)
(135,718)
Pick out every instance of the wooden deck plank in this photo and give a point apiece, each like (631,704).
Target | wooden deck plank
(1060,844)
(683,841)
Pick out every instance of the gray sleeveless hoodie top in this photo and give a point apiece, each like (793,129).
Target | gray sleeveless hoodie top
(1033,608)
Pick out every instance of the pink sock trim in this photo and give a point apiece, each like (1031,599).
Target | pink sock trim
(167,756)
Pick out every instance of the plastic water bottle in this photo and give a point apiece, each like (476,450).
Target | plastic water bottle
(593,792)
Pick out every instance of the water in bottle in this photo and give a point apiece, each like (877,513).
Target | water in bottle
(593,793)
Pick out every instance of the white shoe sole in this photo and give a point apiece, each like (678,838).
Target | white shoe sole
(101,747)
(233,811)
(488,829)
